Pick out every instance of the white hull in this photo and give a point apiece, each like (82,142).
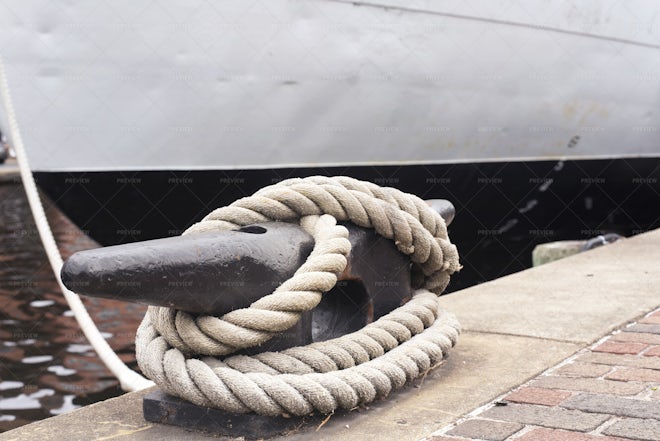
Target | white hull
(225,85)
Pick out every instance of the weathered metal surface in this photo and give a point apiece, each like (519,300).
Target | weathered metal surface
(444,208)
(209,273)
(158,407)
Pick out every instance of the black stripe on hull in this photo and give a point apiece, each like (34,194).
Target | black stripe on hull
(503,209)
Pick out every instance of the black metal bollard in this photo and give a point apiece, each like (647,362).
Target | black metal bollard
(214,273)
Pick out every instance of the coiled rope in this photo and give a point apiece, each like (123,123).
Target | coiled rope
(179,350)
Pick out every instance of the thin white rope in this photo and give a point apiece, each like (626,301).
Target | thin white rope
(128,379)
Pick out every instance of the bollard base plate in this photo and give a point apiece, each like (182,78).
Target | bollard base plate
(159,407)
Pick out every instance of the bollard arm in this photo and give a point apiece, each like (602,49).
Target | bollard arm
(217,272)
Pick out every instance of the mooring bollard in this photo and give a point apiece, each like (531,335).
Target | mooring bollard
(215,273)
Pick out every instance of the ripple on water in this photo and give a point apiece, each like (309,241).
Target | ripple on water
(25,401)
(34,323)
(67,406)
(6,385)
(42,303)
(76,348)
(26,342)
(61,371)
(37,359)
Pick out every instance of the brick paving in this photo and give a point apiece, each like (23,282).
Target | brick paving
(653,352)
(641,337)
(609,392)
(615,347)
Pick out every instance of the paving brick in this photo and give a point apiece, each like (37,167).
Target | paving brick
(537,395)
(651,329)
(553,417)
(619,406)
(652,352)
(589,385)
(445,438)
(634,374)
(651,320)
(641,337)
(655,313)
(655,394)
(485,429)
(617,347)
(590,370)
(634,428)
(621,360)
(543,434)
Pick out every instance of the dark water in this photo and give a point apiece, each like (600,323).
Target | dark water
(46,365)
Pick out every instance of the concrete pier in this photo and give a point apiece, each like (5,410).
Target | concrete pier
(514,329)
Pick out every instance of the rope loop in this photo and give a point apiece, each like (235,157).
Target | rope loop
(180,351)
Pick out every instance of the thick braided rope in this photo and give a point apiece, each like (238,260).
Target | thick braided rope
(343,373)
(329,375)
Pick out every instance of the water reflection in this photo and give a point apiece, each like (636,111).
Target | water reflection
(46,365)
